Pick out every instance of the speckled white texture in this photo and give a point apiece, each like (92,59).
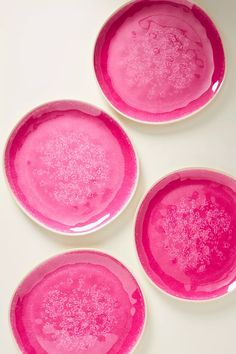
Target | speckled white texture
(71,171)
(205,220)
(163,60)
(46,54)
(78,302)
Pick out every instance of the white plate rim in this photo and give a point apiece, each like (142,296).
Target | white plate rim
(170,121)
(175,297)
(37,221)
(92,249)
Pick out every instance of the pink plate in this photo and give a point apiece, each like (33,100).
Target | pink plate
(186,234)
(80,302)
(71,167)
(158,61)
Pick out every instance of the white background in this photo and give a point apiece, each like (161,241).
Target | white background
(46,51)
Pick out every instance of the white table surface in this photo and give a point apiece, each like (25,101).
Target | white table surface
(46,54)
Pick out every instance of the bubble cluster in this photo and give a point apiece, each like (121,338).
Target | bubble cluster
(73,168)
(77,312)
(196,232)
(161,54)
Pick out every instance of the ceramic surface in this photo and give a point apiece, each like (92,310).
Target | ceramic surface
(70,166)
(186,234)
(79,302)
(159,61)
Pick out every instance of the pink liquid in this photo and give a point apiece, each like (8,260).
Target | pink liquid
(70,166)
(80,302)
(159,60)
(186,234)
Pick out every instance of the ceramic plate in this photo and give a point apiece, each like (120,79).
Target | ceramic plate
(79,302)
(158,61)
(70,166)
(186,234)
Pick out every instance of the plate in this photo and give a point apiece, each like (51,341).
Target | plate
(159,61)
(71,167)
(185,234)
(79,302)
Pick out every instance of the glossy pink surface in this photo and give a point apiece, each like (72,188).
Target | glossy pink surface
(159,60)
(186,234)
(70,166)
(80,302)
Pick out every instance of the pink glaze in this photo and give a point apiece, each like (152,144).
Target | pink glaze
(159,60)
(80,302)
(186,234)
(70,166)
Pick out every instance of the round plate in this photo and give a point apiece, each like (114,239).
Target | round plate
(186,234)
(71,167)
(79,302)
(158,61)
